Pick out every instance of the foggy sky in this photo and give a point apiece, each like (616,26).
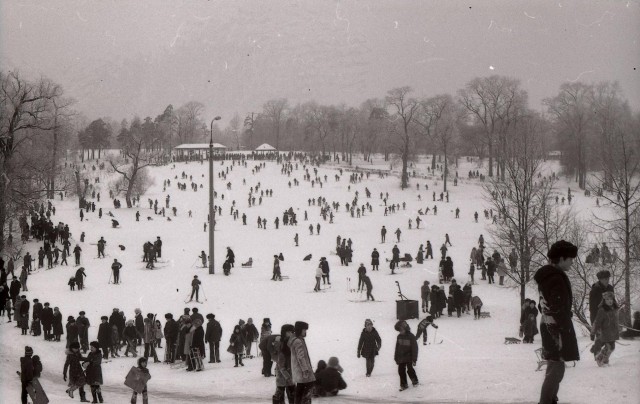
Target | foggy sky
(120,59)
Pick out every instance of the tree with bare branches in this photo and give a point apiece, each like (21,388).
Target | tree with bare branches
(276,111)
(404,112)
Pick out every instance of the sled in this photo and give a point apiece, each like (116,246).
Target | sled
(36,392)
(136,379)
(542,362)
(247,264)
(485,314)
(510,340)
(196,359)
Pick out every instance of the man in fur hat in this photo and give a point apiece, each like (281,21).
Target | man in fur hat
(597,290)
(559,343)
(301,369)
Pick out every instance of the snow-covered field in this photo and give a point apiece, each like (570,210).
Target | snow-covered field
(472,365)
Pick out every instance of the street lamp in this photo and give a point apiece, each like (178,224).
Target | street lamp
(211,210)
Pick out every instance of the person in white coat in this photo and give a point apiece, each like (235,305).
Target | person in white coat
(301,369)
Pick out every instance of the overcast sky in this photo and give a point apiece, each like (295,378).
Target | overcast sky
(120,59)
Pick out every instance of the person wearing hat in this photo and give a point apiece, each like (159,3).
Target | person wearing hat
(422,328)
(375,260)
(369,345)
(171,331)
(231,257)
(236,345)
(329,380)
(57,324)
(23,315)
(46,319)
(265,333)
(158,246)
(324,265)
(406,354)
(73,334)
(195,288)
(596,292)
(104,337)
(83,331)
(559,343)
(212,336)
(281,353)
(149,336)
(250,334)
(27,372)
(362,271)
(142,367)
(76,373)
(605,329)
(93,370)
(115,268)
(301,369)
(139,323)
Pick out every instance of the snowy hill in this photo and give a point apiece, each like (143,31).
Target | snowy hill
(471,365)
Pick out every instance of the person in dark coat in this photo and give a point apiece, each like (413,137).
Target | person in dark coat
(434,299)
(367,283)
(559,343)
(422,329)
(236,345)
(80,275)
(83,331)
(37,309)
(76,378)
(57,324)
(139,322)
(46,318)
(104,337)
(491,269)
(94,371)
(458,300)
(212,337)
(420,255)
(171,331)
(329,381)
(23,318)
(375,260)
(27,372)
(14,290)
(369,345)
(72,331)
(597,290)
(231,257)
(406,354)
(198,340)
(249,334)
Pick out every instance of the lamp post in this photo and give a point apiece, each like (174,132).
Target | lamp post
(211,210)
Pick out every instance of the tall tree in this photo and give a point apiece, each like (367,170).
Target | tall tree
(275,111)
(24,115)
(404,113)
(234,128)
(249,125)
(493,102)
(573,115)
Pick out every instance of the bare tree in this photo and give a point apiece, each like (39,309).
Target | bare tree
(439,117)
(521,200)
(189,122)
(249,125)
(137,156)
(404,110)
(622,170)
(571,109)
(24,114)
(275,111)
(234,128)
(492,102)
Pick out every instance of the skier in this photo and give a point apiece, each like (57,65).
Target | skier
(203,258)
(559,341)
(101,244)
(406,354)
(422,328)
(367,282)
(195,288)
(115,268)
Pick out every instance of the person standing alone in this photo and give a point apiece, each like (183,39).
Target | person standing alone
(559,343)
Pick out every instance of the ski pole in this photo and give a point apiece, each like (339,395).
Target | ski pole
(203,294)
(110,275)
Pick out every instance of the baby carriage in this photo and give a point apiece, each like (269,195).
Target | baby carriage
(406,261)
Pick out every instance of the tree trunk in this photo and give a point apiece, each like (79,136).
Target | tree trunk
(446,168)
(490,160)
(404,183)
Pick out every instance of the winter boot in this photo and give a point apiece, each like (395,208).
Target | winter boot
(100,396)
(94,396)
(83,397)
(403,387)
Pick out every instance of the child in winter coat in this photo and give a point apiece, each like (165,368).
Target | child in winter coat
(406,354)
(530,324)
(115,342)
(236,346)
(329,381)
(130,335)
(369,345)
(72,283)
(76,374)
(605,328)
(159,334)
(422,329)
(476,302)
(142,366)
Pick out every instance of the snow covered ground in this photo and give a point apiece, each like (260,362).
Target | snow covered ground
(472,365)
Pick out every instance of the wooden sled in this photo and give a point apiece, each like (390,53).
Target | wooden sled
(510,340)
(485,314)
(36,392)
(247,264)
(542,362)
